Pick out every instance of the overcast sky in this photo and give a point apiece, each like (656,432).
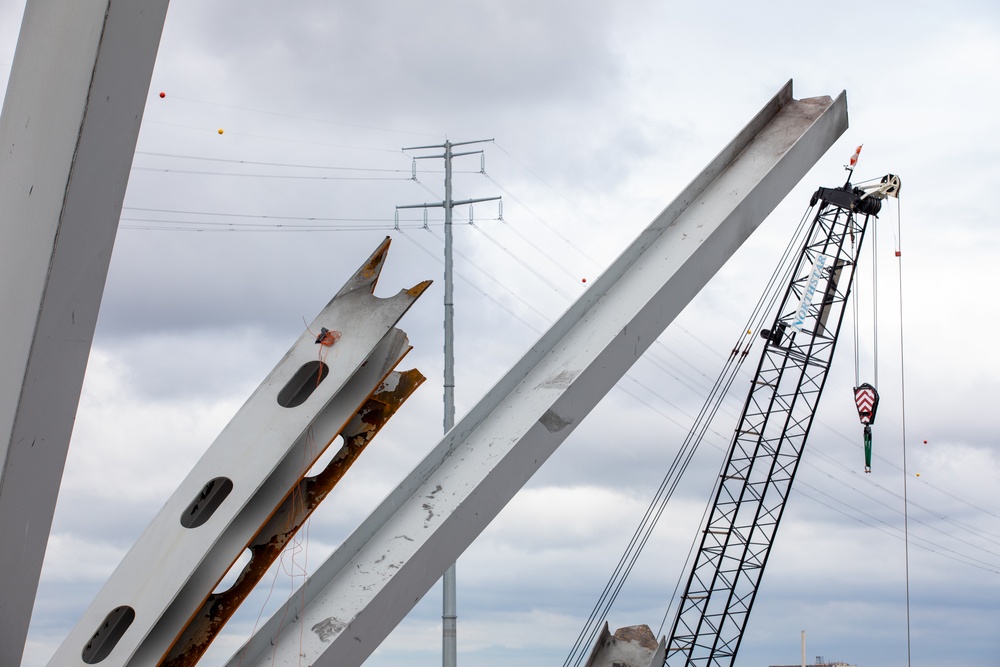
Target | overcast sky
(601,112)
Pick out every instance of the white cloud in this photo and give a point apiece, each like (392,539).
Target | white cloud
(601,115)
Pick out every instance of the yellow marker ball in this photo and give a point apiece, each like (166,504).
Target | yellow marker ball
(220,130)
(918,474)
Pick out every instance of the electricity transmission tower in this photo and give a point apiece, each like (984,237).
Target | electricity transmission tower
(449,614)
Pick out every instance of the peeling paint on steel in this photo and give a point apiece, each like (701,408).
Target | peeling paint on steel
(560,381)
(418,289)
(328,628)
(553,422)
(268,544)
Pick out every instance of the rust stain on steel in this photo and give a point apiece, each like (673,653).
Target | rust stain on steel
(271,539)
(374,265)
(419,288)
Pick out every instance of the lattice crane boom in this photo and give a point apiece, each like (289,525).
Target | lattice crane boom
(767,446)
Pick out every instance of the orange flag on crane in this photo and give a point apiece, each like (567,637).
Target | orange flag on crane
(854,158)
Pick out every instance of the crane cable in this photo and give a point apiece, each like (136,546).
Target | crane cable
(902,371)
(764,307)
(902,403)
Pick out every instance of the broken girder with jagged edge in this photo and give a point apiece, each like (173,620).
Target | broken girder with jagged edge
(252,472)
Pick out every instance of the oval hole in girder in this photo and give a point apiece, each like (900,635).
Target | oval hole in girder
(327,457)
(302,384)
(206,502)
(234,572)
(106,638)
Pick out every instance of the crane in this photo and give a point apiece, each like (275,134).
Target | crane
(750,495)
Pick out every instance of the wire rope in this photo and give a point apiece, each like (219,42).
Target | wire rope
(541,180)
(527,267)
(195,172)
(473,285)
(685,453)
(310,142)
(685,359)
(540,219)
(299,117)
(310,218)
(855,311)
(875,317)
(902,402)
(941,550)
(259,163)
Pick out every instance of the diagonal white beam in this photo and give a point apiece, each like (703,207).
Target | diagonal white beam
(68,130)
(369,584)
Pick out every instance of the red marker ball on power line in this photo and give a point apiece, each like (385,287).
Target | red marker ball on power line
(163,94)
(583,280)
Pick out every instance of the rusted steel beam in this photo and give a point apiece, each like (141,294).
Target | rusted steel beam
(268,544)
(245,475)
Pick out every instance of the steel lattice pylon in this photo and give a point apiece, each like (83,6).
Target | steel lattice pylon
(768,442)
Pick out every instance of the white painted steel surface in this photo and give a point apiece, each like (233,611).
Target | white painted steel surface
(70,120)
(369,584)
(264,451)
(230,545)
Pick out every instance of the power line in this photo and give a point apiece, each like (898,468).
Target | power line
(252,215)
(299,117)
(655,360)
(540,219)
(568,200)
(292,228)
(498,303)
(167,170)
(311,142)
(266,164)
(940,549)
(152,224)
(201,226)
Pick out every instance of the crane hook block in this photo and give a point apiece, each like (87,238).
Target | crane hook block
(866,398)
